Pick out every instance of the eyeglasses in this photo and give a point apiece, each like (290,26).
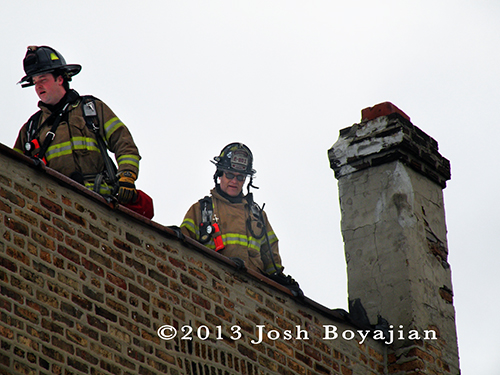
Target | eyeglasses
(239,177)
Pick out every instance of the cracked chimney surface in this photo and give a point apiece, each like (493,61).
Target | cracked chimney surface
(390,178)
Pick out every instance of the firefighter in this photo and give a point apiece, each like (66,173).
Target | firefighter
(231,223)
(60,133)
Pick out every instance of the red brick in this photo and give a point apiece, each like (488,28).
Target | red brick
(136,265)
(98,323)
(43,240)
(75,218)
(167,270)
(345,370)
(63,345)
(51,231)
(82,302)
(51,206)
(446,294)
(68,254)
(6,292)
(4,180)
(18,255)
(5,305)
(122,245)
(133,239)
(379,110)
(139,292)
(5,207)
(92,267)
(76,245)
(119,282)
(189,282)
(201,301)
(98,232)
(177,263)
(62,224)
(26,192)
(66,201)
(52,353)
(13,198)
(16,226)
(26,314)
(88,239)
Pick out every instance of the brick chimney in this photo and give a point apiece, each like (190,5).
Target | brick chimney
(390,177)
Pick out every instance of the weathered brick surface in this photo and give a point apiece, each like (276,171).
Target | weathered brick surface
(84,290)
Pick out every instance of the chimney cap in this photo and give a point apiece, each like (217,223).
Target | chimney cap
(381,109)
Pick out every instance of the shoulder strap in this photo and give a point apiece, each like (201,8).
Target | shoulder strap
(52,133)
(206,228)
(92,122)
(33,125)
(207,210)
(90,113)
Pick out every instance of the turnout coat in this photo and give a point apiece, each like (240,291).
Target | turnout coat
(238,239)
(74,151)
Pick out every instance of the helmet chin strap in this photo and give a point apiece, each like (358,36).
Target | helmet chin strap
(250,184)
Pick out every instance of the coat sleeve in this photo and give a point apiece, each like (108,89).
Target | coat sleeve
(21,139)
(191,223)
(118,139)
(269,265)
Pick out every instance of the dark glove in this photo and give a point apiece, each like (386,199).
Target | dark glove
(126,187)
(240,263)
(177,231)
(287,281)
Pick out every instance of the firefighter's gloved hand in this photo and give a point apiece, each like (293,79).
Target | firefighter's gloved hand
(126,187)
(287,281)
(240,263)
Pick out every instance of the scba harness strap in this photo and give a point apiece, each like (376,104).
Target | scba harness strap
(209,230)
(92,122)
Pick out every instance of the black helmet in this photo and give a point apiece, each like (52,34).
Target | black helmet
(235,157)
(43,59)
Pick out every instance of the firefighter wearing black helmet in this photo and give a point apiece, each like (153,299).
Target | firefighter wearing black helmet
(231,223)
(60,134)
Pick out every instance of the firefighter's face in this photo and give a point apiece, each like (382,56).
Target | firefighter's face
(231,184)
(50,90)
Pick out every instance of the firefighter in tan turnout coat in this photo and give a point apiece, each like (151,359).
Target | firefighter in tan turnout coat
(66,138)
(231,223)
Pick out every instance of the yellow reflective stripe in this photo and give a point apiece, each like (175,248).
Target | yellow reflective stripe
(111,125)
(58,150)
(272,237)
(190,226)
(240,239)
(104,188)
(129,159)
(18,150)
(270,268)
(65,148)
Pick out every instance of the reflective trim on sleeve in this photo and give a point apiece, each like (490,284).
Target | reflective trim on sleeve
(190,226)
(111,125)
(272,237)
(129,159)
(270,268)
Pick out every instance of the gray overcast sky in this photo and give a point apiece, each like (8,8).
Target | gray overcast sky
(283,77)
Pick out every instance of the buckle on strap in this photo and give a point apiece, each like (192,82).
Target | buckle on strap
(51,134)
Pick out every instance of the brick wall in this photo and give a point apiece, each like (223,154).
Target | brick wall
(85,288)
